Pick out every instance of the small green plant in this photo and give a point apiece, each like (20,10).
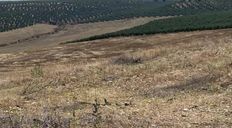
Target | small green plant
(37,72)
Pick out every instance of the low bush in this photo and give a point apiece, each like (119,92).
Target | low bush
(128,59)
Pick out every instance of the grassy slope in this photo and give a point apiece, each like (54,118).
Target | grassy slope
(26,40)
(24,34)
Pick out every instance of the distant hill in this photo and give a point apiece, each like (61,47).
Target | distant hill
(16,14)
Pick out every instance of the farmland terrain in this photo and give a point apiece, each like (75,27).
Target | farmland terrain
(17,14)
(44,35)
(165,80)
(116,63)
(203,21)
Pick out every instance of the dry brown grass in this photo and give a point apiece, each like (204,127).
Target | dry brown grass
(24,33)
(181,80)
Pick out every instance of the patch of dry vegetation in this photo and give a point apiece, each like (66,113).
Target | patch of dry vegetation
(15,36)
(172,80)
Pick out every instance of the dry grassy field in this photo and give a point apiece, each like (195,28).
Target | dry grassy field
(43,36)
(164,80)
(15,36)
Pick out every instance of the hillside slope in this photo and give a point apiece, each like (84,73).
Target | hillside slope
(24,34)
(164,80)
(37,37)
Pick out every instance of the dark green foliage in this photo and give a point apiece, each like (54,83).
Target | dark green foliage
(206,21)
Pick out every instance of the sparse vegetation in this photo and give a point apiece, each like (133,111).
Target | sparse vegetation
(47,120)
(173,80)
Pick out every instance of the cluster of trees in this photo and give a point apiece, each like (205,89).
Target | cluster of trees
(203,4)
(16,14)
(206,21)
(198,6)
